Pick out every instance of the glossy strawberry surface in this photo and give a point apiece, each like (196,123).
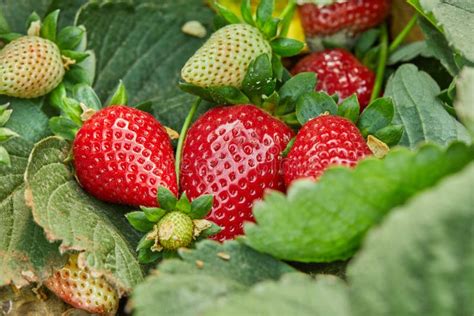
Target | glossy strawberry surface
(340,72)
(122,155)
(351,16)
(233,153)
(322,142)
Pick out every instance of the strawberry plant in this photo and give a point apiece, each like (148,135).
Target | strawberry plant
(236,157)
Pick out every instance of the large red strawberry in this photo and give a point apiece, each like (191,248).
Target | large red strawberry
(234,154)
(322,142)
(347,18)
(80,288)
(340,72)
(122,155)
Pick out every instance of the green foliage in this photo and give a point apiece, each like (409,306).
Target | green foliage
(202,276)
(23,246)
(418,109)
(391,275)
(421,260)
(465,98)
(293,294)
(326,221)
(78,221)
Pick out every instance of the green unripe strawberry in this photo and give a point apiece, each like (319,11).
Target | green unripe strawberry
(175,230)
(224,59)
(30,66)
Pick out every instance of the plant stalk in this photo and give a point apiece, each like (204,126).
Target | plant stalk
(403,34)
(182,136)
(383,55)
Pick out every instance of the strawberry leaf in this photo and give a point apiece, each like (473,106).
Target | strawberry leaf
(418,109)
(166,199)
(120,96)
(202,276)
(201,206)
(78,221)
(63,127)
(345,203)
(259,79)
(246,12)
(183,204)
(139,221)
(457,22)
(25,252)
(390,135)
(313,104)
(420,244)
(153,214)
(70,37)
(378,115)
(264,12)
(349,108)
(86,95)
(293,89)
(286,47)
(465,99)
(16,12)
(228,15)
(49,26)
(293,294)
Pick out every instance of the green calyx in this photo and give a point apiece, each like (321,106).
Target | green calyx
(175,224)
(274,29)
(71,42)
(77,103)
(5,134)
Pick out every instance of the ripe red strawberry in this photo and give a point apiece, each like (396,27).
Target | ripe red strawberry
(122,155)
(234,154)
(79,288)
(339,72)
(350,17)
(324,141)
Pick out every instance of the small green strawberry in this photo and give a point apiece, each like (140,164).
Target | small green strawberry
(175,224)
(224,59)
(174,230)
(30,66)
(33,65)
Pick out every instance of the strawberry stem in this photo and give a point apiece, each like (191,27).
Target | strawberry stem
(381,63)
(403,34)
(182,136)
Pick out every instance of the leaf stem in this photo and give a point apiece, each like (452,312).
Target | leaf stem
(182,136)
(403,34)
(381,63)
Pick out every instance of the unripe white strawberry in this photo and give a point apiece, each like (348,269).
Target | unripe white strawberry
(30,66)
(79,288)
(224,59)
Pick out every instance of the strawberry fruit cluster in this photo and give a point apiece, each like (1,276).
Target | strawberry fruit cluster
(270,127)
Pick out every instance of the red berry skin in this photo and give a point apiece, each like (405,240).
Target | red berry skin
(351,16)
(340,72)
(233,153)
(322,142)
(122,155)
